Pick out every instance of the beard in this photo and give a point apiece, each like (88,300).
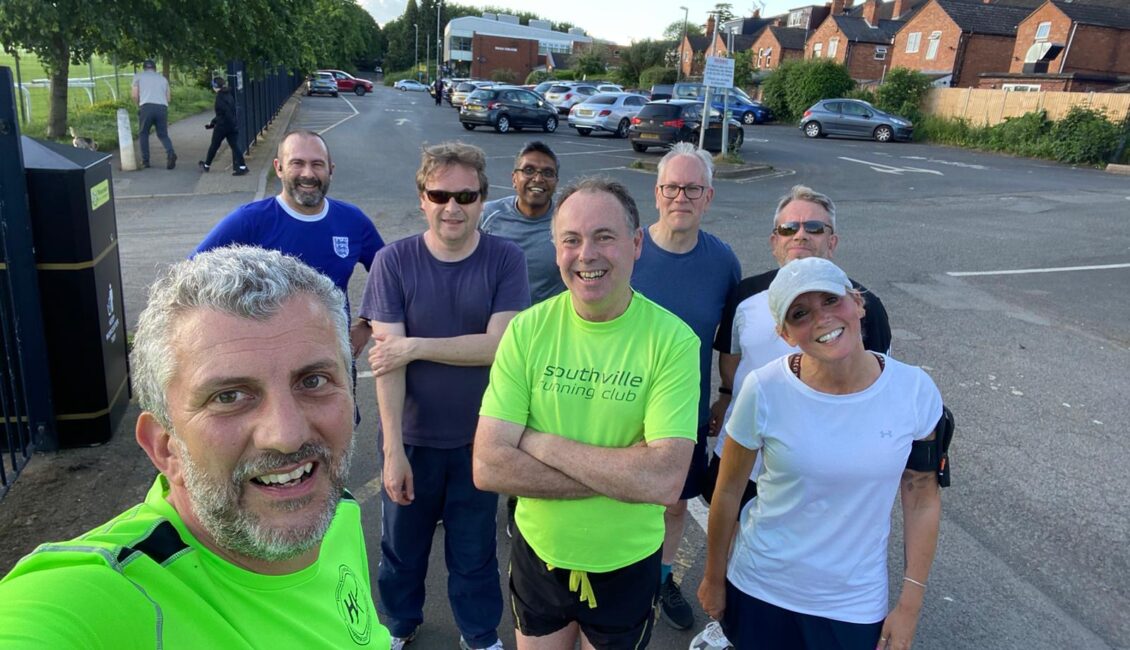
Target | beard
(218,505)
(307,197)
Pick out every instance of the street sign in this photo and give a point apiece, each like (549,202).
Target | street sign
(719,72)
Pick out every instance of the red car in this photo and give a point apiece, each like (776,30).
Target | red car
(347,83)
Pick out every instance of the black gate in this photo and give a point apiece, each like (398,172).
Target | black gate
(260,92)
(25,386)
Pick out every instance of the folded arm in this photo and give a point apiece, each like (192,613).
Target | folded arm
(392,351)
(500,466)
(396,474)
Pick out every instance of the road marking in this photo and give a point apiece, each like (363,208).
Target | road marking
(699,511)
(1059,269)
(776,174)
(401,121)
(946,162)
(344,119)
(889,169)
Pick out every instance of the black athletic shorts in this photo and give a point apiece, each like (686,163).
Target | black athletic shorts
(753,624)
(696,473)
(710,481)
(543,604)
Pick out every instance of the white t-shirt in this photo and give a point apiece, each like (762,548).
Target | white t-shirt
(814,540)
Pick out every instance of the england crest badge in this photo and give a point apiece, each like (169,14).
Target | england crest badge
(341,247)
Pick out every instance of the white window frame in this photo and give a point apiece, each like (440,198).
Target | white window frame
(913,41)
(1022,88)
(881,53)
(833,47)
(932,46)
(1043,30)
(817,50)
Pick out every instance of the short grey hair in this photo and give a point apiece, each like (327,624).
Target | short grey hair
(688,149)
(244,281)
(607,186)
(805,193)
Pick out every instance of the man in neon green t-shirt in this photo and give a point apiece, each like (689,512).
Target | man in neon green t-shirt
(590,419)
(247,539)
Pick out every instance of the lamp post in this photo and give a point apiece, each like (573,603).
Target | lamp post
(416,69)
(439,39)
(679,70)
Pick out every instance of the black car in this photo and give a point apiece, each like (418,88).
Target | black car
(507,108)
(663,123)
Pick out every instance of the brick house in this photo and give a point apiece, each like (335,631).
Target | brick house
(1070,46)
(692,55)
(776,44)
(860,37)
(956,41)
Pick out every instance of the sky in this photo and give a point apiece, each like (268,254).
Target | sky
(620,22)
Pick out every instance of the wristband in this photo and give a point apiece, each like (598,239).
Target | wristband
(725,390)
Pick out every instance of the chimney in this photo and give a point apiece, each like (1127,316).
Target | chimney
(900,9)
(837,7)
(710,26)
(871,12)
(756,14)
(782,21)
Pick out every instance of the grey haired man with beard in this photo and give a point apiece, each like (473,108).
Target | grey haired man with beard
(247,538)
(330,235)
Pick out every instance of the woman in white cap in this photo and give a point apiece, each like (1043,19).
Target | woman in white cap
(835,425)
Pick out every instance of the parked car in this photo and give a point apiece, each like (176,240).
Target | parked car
(506,108)
(464,90)
(321,83)
(378,69)
(662,91)
(665,122)
(609,112)
(544,87)
(565,94)
(609,88)
(853,117)
(405,85)
(741,105)
(347,83)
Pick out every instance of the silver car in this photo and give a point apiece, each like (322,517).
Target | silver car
(569,93)
(610,112)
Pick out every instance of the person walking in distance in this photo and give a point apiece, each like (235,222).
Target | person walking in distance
(151,93)
(224,127)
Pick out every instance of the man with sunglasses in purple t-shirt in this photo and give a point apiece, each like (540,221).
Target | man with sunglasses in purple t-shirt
(804,225)
(438,304)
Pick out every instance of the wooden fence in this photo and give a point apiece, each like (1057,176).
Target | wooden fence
(985,106)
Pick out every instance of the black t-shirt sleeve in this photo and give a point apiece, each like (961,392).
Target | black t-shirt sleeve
(876,328)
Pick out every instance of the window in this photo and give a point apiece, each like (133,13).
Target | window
(881,53)
(461,43)
(912,41)
(797,19)
(833,47)
(1022,88)
(932,48)
(817,50)
(1043,30)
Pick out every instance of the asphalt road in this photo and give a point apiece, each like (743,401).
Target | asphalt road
(1034,549)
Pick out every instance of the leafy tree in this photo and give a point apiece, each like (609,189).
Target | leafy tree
(797,84)
(640,56)
(723,11)
(593,61)
(743,68)
(674,31)
(657,75)
(902,93)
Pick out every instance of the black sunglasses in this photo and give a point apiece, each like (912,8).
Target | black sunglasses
(790,228)
(462,197)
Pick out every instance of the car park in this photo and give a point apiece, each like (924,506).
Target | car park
(405,85)
(608,112)
(609,88)
(544,87)
(347,83)
(321,83)
(741,105)
(464,90)
(566,94)
(663,123)
(854,118)
(507,108)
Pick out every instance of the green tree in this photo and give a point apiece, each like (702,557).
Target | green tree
(592,62)
(797,84)
(723,12)
(674,31)
(657,75)
(902,93)
(743,68)
(640,56)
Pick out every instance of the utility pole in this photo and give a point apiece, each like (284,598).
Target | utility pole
(416,69)
(679,70)
(439,38)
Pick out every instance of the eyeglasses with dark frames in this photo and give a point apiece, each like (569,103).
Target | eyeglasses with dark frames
(529,172)
(462,197)
(814,227)
(692,192)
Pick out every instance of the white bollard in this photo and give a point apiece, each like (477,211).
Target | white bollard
(125,142)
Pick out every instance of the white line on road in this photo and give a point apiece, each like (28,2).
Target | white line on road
(888,169)
(355,114)
(1097,267)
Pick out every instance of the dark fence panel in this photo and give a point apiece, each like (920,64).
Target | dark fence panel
(260,92)
(25,386)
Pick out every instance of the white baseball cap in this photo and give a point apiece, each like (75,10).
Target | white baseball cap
(803,276)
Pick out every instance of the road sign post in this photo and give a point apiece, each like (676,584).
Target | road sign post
(719,72)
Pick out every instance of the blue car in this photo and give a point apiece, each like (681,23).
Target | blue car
(742,107)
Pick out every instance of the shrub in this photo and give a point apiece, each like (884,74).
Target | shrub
(1084,137)
(1026,135)
(657,75)
(503,75)
(565,75)
(813,80)
(537,76)
(863,94)
(902,93)
(947,131)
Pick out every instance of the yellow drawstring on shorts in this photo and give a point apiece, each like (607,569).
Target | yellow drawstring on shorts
(579,582)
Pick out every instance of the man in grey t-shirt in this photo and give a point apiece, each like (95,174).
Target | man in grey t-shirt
(525,217)
(151,93)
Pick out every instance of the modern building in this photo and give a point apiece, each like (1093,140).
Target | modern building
(479,45)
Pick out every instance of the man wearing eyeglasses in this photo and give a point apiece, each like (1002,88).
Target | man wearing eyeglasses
(525,218)
(438,304)
(691,273)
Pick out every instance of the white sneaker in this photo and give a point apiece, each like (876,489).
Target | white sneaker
(464,646)
(711,638)
(398,642)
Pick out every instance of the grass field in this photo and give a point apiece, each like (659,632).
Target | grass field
(92,110)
